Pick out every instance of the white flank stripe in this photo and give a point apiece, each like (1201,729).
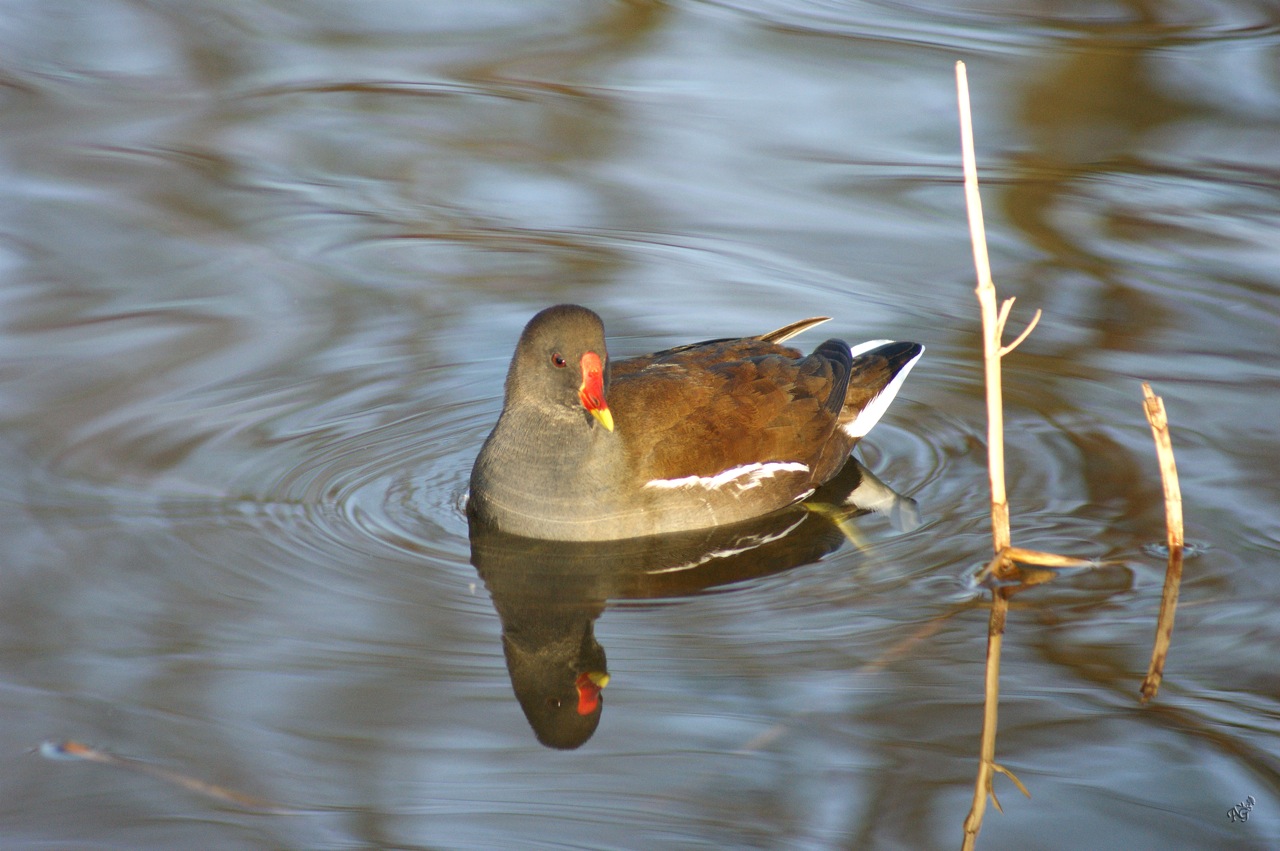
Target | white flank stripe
(744,478)
(745,545)
(871,414)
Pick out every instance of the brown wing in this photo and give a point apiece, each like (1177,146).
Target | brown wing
(703,409)
(725,347)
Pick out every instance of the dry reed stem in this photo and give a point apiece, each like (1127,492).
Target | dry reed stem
(993,323)
(991,326)
(1153,406)
(1002,566)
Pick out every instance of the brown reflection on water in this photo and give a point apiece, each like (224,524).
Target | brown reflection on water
(1089,113)
(549,122)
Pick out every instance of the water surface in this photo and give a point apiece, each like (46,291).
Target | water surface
(262,269)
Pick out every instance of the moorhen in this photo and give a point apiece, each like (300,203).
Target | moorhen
(697,436)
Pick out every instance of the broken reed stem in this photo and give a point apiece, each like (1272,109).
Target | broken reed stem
(991,327)
(1153,406)
(995,457)
(992,322)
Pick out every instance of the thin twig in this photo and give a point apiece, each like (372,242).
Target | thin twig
(1026,332)
(1005,307)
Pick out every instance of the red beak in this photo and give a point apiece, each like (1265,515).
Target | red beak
(591,391)
(589,685)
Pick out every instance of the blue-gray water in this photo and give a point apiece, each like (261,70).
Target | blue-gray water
(262,266)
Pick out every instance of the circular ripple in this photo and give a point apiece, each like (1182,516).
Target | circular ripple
(393,489)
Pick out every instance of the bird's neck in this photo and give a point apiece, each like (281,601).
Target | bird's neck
(550,465)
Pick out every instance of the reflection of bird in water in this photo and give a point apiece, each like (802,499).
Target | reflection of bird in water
(556,665)
(548,594)
(694,437)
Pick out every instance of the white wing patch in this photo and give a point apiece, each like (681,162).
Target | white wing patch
(871,414)
(743,478)
(863,348)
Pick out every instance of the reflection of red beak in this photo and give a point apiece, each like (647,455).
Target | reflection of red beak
(589,685)
(591,391)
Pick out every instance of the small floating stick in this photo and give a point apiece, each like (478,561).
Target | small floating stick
(76,750)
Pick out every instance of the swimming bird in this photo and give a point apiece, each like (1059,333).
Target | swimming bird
(701,435)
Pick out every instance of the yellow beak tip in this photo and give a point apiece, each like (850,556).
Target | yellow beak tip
(604,417)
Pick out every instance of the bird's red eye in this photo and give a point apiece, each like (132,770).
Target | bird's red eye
(559,361)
